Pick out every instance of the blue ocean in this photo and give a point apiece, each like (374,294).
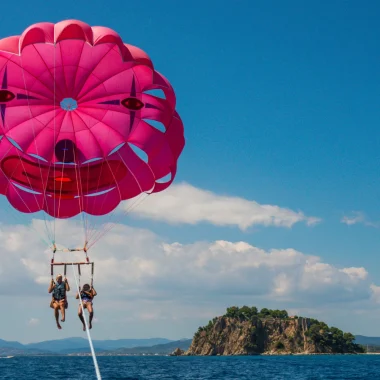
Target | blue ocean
(192,368)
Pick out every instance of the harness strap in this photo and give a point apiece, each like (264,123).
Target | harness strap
(92,274)
(52,262)
(79,274)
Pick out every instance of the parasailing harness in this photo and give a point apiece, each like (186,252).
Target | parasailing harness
(77,264)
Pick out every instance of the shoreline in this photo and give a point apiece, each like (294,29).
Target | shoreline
(169,355)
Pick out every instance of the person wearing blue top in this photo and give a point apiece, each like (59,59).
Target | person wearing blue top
(86,295)
(59,299)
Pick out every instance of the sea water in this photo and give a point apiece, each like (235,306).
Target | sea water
(342,367)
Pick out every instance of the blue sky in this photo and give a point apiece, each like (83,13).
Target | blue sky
(280,102)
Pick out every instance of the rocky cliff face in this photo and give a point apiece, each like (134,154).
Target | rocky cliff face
(231,336)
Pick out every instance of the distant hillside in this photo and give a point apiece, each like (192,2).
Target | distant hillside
(151,346)
(71,345)
(364,340)
(11,351)
(74,345)
(160,349)
(4,343)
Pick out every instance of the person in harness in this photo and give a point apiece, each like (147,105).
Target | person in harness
(87,294)
(59,299)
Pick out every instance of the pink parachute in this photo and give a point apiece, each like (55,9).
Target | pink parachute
(81,125)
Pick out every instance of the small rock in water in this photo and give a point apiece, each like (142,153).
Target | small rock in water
(177,352)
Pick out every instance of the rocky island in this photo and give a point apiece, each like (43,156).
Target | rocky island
(247,331)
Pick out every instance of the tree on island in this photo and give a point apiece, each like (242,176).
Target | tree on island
(247,313)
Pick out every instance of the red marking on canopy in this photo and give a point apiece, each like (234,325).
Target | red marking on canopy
(63,179)
(63,196)
(88,178)
(6,96)
(132,104)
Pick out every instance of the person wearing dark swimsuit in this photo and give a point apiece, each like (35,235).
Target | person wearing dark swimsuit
(87,294)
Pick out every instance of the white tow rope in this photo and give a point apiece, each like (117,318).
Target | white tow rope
(87,329)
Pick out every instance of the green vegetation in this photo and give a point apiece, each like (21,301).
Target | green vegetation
(244,313)
(326,336)
(247,313)
(206,328)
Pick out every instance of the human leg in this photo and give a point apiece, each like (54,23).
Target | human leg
(80,315)
(62,305)
(56,313)
(91,313)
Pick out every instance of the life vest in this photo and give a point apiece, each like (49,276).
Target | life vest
(84,295)
(59,292)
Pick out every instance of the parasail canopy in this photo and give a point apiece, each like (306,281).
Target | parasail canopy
(85,121)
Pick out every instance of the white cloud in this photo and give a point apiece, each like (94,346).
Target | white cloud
(148,285)
(354,218)
(375,293)
(355,273)
(282,284)
(357,217)
(183,203)
(136,264)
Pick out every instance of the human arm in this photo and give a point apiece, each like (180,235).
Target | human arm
(67,286)
(93,291)
(51,286)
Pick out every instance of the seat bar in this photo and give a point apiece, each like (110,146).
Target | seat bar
(75,263)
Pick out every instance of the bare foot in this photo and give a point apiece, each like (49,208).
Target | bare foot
(59,326)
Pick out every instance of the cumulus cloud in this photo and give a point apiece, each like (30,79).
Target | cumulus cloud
(148,286)
(356,274)
(184,203)
(375,293)
(137,265)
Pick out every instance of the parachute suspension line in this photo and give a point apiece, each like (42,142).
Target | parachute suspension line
(49,233)
(92,229)
(52,263)
(136,202)
(97,371)
(87,224)
(110,226)
(92,275)
(86,216)
(118,188)
(78,180)
(15,214)
(54,124)
(96,233)
(79,276)
(60,190)
(22,199)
